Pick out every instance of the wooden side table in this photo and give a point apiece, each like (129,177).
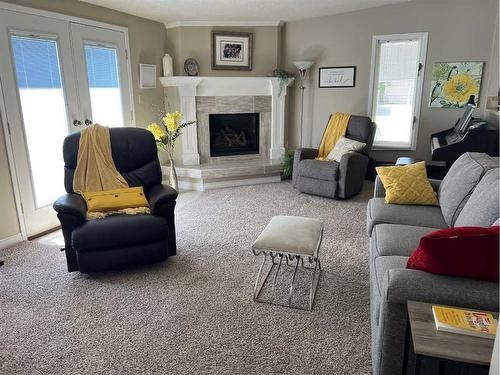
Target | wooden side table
(445,347)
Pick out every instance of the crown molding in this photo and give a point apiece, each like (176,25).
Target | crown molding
(174,24)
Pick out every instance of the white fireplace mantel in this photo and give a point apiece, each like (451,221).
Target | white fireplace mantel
(191,87)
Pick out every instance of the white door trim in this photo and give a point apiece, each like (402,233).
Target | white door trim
(12,166)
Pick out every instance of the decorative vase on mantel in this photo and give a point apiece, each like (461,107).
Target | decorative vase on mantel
(172,176)
(165,136)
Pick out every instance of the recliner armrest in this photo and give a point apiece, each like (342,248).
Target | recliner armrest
(305,153)
(301,154)
(159,195)
(402,285)
(352,173)
(71,204)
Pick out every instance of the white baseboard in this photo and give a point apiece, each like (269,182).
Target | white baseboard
(10,241)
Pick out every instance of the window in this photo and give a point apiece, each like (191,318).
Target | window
(397,71)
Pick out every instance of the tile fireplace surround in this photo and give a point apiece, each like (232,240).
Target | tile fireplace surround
(202,96)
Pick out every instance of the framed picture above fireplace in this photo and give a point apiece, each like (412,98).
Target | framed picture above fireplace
(232,50)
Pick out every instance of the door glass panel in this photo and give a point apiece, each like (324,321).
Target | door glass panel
(104,85)
(395,91)
(43,104)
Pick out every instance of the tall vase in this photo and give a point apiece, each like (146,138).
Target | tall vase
(172,178)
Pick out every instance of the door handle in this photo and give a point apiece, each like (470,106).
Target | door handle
(77,122)
(88,122)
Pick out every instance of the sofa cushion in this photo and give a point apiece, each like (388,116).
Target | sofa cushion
(379,212)
(470,252)
(396,239)
(460,181)
(319,169)
(482,208)
(119,231)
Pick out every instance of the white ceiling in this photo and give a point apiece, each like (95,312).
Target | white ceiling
(227,11)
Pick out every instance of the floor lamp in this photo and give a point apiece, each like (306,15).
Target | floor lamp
(302,66)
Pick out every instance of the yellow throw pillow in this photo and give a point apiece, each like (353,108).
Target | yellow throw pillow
(117,199)
(407,184)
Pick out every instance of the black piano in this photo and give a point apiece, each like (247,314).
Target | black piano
(468,135)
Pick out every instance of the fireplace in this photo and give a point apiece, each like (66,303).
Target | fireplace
(234,134)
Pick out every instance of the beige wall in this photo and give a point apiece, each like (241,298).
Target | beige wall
(147,45)
(196,42)
(459,30)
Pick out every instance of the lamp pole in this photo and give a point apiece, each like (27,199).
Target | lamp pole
(302,66)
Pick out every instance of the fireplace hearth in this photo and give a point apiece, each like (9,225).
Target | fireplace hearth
(234,134)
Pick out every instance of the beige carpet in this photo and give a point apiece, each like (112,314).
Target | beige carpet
(194,313)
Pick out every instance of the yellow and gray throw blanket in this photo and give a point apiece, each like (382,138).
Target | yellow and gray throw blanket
(96,174)
(336,128)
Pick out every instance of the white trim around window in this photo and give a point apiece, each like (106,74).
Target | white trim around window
(385,138)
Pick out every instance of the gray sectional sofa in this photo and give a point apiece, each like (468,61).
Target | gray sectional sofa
(468,196)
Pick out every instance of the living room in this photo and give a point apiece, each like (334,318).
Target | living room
(336,160)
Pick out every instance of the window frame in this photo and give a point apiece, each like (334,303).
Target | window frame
(422,37)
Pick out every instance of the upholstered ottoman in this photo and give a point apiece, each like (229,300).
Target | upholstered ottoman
(294,239)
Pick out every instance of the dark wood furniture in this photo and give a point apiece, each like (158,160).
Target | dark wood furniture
(447,348)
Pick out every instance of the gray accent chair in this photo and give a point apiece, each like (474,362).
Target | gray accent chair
(335,179)
(468,196)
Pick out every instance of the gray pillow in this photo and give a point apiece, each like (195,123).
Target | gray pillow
(482,208)
(460,181)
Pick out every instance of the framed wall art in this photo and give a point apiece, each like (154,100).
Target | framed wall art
(338,76)
(454,82)
(232,50)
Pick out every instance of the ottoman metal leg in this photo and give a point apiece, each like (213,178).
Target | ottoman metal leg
(314,283)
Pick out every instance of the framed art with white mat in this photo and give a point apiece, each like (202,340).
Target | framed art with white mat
(232,50)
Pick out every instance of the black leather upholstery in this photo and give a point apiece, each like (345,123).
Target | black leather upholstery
(122,240)
(133,154)
(317,177)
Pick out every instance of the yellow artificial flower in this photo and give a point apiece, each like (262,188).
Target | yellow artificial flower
(156,130)
(459,88)
(171,121)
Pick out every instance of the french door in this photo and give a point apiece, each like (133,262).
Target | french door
(57,76)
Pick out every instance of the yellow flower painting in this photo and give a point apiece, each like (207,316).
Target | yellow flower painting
(453,84)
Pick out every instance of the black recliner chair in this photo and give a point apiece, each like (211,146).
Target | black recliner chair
(119,241)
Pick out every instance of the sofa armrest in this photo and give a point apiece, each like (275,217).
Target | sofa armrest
(379,191)
(352,173)
(71,204)
(301,154)
(402,285)
(160,195)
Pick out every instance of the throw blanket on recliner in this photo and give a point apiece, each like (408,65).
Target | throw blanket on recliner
(96,171)
(336,128)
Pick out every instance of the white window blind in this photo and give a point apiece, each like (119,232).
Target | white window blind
(396,88)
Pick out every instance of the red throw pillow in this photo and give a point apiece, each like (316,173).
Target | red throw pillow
(461,251)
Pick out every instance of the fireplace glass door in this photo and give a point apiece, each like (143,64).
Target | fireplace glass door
(234,134)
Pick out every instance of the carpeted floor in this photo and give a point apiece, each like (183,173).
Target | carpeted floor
(194,313)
